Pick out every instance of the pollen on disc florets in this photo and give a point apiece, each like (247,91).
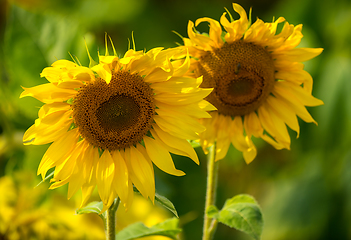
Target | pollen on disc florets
(242,75)
(115,115)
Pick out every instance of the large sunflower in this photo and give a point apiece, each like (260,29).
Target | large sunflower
(259,82)
(108,124)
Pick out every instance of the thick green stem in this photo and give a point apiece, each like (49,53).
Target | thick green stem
(110,225)
(212,175)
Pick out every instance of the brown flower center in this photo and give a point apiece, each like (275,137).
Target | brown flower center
(242,75)
(115,115)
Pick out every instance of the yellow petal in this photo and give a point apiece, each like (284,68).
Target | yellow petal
(41,133)
(291,35)
(108,59)
(284,112)
(142,172)
(49,113)
(161,157)
(304,96)
(50,108)
(67,78)
(274,125)
(250,153)
(237,134)
(236,131)
(237,28)
(294,38)
(58,151)
(215,31)
(193,110)
(180,118)
(241,142)
(142,64)
(58,183)
(207,138)
(48,93)
(294,103)
(105,171)
(172,53)
(91,158)
(154,53)
(165,146)
(297,77)
(177,85)
(255,32)
(66,168)
(184,98)
(63,63)
(222,147)
(75,183)
(87,190)
(83,74)
(207,106)
(159,74)
(298,54)
(70,84)
(142,150)
(177,129)
(223,138)
(126,60)
(133,53)
(272,28)
(52,74)
(175,144)
(200,40)
(284,65)
(103,71)
(136,179)
(276,145)
(69,171)
(121,181)
(252,125)
(182,69)
(109,202)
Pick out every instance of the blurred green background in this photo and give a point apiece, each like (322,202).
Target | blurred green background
(305,193)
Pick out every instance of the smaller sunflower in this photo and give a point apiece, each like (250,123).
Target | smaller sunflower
(259,82)
(108,124)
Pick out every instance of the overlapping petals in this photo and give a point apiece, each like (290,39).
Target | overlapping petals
(291,92)
(179,104)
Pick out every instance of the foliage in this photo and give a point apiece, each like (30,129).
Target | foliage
(241,212)
(138,230)
(304,193)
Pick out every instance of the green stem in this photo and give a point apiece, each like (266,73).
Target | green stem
(213,227)
(212,175)
(111,220)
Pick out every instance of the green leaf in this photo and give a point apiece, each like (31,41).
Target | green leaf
(212,211)
(93,207)
(166,203)
(242,213)
(163,201)
(168,228)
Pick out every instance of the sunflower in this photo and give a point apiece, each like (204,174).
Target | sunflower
(109,123)
(259,82)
